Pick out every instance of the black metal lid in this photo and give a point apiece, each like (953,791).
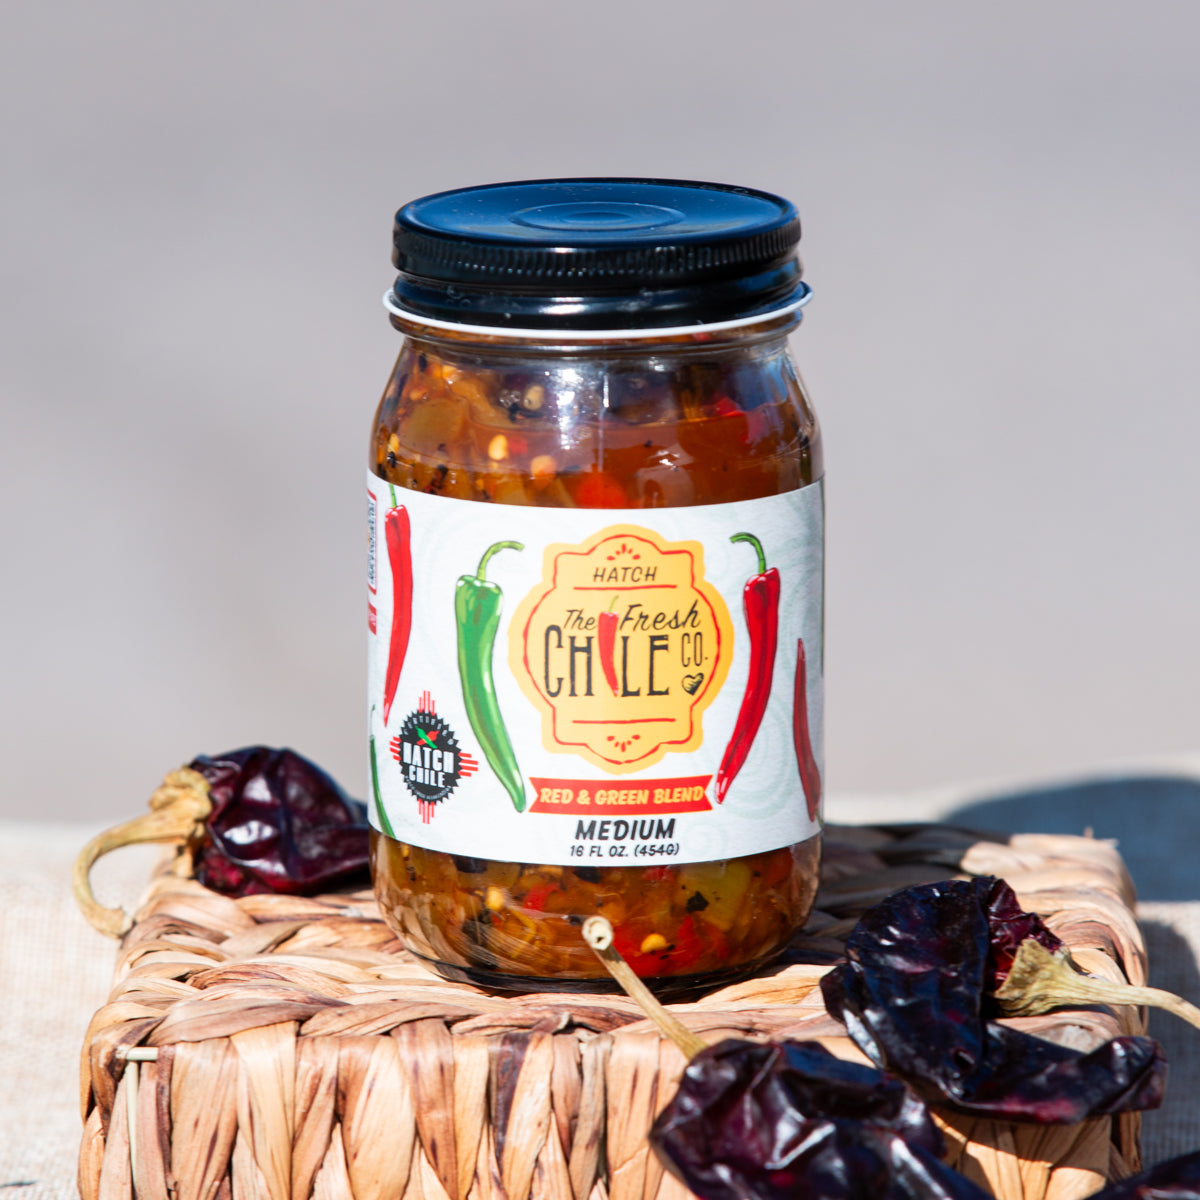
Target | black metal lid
(597,254)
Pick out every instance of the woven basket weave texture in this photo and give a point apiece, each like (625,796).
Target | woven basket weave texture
(282,1047)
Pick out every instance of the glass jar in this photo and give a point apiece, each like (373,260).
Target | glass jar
(596,585)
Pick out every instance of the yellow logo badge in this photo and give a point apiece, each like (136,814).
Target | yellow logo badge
(622,646)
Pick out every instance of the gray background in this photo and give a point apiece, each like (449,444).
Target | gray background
(1000,208)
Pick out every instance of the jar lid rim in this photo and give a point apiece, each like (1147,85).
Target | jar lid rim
(393,306)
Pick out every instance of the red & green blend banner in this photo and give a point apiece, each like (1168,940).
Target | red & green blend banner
(646,797)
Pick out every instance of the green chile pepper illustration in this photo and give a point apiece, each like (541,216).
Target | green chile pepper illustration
(477,614)
(379,809)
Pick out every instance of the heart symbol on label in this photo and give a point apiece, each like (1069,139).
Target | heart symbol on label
(691,683)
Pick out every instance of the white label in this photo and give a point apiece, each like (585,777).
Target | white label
(551,685)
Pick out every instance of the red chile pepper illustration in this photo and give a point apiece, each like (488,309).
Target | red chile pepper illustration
(810,775)
(397,534)
(606,640)
(760,600)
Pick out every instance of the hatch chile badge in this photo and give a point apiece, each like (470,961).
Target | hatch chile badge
(430,758)
(621,647)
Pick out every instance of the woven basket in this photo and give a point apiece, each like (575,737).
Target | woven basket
(282,1047)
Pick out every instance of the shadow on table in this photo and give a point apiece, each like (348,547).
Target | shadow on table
(1154,819)
(1175,1128)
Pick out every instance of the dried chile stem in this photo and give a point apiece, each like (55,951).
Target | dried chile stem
(178,810)
(1041,980)
(598,934)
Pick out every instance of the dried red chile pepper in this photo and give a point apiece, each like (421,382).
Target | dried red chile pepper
(253,820)
(781,1120)
(784,1120)
(278,824)
(915,995)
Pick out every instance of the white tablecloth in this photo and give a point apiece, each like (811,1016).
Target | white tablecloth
(54,970)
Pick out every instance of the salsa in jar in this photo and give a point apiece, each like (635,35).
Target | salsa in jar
(596,585)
